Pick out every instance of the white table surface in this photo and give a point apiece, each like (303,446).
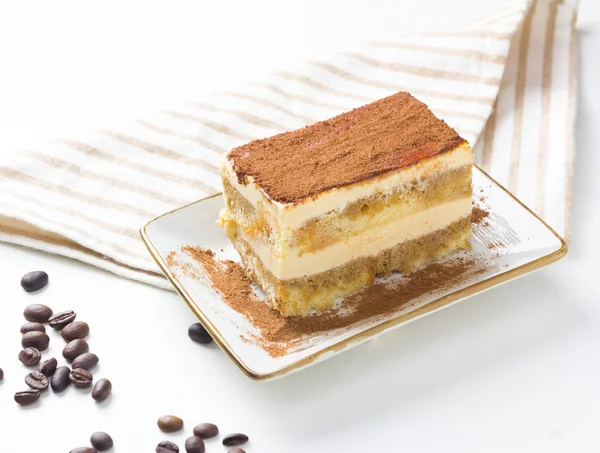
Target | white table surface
(515,369)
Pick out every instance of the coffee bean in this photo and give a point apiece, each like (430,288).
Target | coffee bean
(167,447)
(198,333)
(236,450)
(36,380)
(38,340)
(1,374)
(169,423)
(101,441)
(235,439)
(33,327)
(27,397)
(37,313)
(84,450)
(60,379)
(32,281)
(101,390)
(87,361)
(77,329)
(49,367)
(194,445)
(74,349)
(81,378)
(206,430)
(62,319)
(30,356)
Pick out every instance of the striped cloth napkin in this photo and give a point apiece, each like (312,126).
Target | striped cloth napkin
(507,83)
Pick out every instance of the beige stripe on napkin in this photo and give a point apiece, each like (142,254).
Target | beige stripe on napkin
(507,83)
(534,114)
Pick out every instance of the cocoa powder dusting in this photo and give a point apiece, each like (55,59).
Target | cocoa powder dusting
(170,259)
(479,215)
(386,135)
(279,334)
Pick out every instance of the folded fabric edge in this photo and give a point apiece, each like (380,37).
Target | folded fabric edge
(17,232)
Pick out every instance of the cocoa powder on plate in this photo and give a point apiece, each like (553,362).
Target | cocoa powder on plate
(279,334)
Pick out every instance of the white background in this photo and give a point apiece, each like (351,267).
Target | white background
(514,369)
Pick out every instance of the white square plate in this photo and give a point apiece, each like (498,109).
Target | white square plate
(528,244)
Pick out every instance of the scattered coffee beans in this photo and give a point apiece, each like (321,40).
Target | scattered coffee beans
(32,281)
(27,397)
(234,439)
(84,450)
(37,340)
(62,319)
(74,349)
(236,450)
(36,380)
(167,447)
(198,333)
(87,361)
(33,327)
(60,379)
(81,378)
(37,313)
(77,329)
(101,441)
(30,356)
(169,423)
(1,374)
(206,430)
(194,445)
(49,367)
(101,390)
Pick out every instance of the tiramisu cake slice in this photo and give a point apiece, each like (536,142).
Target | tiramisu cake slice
(318,212)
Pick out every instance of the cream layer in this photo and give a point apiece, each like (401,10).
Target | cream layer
(290,264)
(293,215)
